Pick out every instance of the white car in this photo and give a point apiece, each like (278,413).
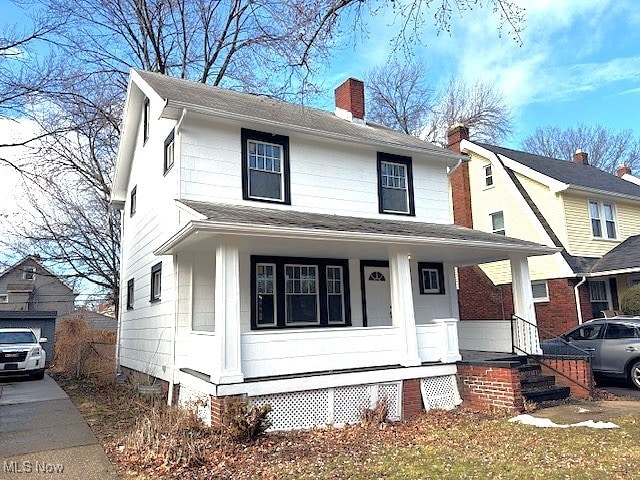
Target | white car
(21,353)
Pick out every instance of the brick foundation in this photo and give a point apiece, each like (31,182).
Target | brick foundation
(219,408)
(488,387)
(566,369)
(411,399)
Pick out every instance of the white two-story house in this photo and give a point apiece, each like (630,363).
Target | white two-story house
(294,256)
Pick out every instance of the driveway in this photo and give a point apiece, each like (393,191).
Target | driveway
(43,436)
(622,388)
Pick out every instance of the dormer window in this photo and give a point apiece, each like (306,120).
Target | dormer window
(395,184)
(265,167)
(29,273)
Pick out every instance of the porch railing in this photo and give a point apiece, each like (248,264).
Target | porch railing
(525,340)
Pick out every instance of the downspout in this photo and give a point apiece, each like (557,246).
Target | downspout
(174,331)
(577,294)
(118,334)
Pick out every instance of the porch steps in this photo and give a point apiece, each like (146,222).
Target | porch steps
(540,388)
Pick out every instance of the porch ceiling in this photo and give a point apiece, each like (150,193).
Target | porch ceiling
(269,231)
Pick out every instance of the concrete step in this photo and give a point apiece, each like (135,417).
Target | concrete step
(529,370)
(536,381)
(546,394)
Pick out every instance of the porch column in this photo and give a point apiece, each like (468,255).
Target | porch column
(227,313)
(527,335)
(402,305)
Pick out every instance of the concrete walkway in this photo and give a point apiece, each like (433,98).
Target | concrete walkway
(43,436)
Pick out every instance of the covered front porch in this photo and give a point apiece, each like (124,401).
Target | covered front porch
(274,294)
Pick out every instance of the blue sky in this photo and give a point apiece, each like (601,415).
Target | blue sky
(579,62)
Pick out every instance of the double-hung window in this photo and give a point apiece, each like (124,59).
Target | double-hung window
(146,116)
(603,221)
(497,223)
(599,297)
(29,273)
(299,292)
(395,184)
(488,175)
(265,167)
(156,282)
(130,294)
(431,278)
(133,204)
(169,151)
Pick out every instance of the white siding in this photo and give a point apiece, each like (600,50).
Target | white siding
(146,330)
(326,177)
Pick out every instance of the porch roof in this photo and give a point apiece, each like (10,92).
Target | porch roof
(624,258)
(451,243)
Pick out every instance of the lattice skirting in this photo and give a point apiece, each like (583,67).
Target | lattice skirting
(440,392)
(337,406)
(198,401)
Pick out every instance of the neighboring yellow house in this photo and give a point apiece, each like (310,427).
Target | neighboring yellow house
(593,215)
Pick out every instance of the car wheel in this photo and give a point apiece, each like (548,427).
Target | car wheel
(634,374)
(39,375)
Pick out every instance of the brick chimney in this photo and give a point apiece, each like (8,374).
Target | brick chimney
(459,178)
(581,157)
(624,169)
(455,135)
(350,100)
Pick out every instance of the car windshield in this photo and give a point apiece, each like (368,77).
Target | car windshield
(17,337)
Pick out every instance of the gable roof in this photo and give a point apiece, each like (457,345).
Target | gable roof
(179,94)
(625,256)
(572,174)
(35,259)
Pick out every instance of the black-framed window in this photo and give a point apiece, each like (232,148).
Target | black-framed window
(431,277)
(395,184)
(169,151)
(130,294)
(295,292)
(146,115)
(134,201)
(265,167)
(156,282)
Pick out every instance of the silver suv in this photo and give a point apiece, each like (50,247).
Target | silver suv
(21,353)
(613,343)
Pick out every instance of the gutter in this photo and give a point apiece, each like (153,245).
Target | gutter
(577,295)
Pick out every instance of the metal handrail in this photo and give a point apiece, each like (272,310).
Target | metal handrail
(552,336)
(515,319)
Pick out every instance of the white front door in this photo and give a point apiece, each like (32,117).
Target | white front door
(377,293)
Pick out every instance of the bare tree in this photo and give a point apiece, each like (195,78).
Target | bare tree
(607,148)
(271,47)
(399,97)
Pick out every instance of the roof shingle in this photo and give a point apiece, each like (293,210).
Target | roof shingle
(571,173)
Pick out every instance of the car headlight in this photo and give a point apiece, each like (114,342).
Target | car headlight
(35,351)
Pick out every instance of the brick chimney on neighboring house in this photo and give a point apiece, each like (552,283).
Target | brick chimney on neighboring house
(624,169)
(460,185)
(350,100)
(581,157)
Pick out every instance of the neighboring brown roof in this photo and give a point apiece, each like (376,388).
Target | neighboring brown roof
(277,112)
(240,214)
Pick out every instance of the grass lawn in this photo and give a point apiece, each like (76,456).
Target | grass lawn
(438,445)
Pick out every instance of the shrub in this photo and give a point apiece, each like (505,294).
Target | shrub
(631,301)
(243,423)
(172,433)
(376,416)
